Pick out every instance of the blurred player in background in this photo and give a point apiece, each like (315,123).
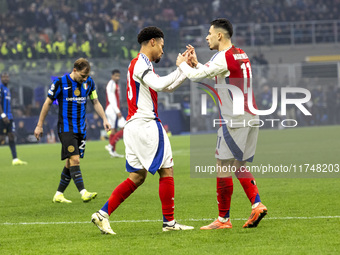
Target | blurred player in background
(71,91)
(7,125)
(113,113)
(235,144)
(147,145)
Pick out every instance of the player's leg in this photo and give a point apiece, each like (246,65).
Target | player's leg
(12,145)
(112,119)
(247,179)
(167,197)
(77,178)
(124,190)
(65,179)
(3,132)
(167,193)
(113,141)
(120,122)
(248,183)
(224,190)
(119,194)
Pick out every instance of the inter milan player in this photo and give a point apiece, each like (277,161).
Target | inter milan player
(71,92)
(113,113)
(7,125)
(147,146)
(235,143)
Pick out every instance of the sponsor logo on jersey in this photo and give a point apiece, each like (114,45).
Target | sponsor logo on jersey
(79,100)
(70,148)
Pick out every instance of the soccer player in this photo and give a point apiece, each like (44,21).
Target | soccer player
(7,125)
(236,143)
(71,92)
(113,113)
(147,146)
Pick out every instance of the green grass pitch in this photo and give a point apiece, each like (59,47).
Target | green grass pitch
(303,213)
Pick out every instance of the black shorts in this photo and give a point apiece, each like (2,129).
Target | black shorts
(72,144)
(6,128)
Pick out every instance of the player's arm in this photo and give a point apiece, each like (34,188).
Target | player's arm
(209,70)
(176,84)
(53,93)
(157,83)
(45,108)
(99,110)
(3,115)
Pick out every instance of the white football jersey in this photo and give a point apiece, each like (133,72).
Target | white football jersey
(142,87)
(232,67)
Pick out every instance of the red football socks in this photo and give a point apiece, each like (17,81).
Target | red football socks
(224,192)
(115,138)
(248,183)
(120,193)
(167,196)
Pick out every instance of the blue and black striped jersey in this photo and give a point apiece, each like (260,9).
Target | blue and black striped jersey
(5,100)
(72,99)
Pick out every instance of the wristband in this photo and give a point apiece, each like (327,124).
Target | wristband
(3,115)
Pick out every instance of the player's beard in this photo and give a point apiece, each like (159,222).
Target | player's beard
(157,60)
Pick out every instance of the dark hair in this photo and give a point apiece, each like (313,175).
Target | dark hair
(224,24)
(4,74)
(115,71)
(82,64)
(148,33)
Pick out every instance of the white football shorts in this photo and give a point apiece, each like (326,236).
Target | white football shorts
(236,143)
(147,146)
(112,118)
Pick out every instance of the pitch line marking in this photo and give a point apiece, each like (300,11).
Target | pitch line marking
(143,221)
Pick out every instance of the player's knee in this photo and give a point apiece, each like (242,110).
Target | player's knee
(74,161)
(11,137)
(2,140)
(138,177)
(166,172)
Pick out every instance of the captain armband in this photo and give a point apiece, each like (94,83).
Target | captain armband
(93,95)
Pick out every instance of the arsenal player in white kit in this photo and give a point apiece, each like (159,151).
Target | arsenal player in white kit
(113,113)
(147,146)
(236,142)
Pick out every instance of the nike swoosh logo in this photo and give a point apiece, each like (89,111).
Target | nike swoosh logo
(67,88)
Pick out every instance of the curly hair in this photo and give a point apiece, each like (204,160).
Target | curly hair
(148,33)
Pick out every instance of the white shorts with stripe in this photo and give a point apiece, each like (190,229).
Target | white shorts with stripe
(236,143)
(147,146)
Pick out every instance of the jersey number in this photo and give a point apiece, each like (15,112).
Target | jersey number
(130,93)
(244,68)
(82,145)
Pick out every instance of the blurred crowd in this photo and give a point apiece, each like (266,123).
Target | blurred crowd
(69,28)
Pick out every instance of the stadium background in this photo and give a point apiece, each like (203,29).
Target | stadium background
(290,43)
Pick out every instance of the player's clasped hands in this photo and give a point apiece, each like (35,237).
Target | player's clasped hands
(189,56)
